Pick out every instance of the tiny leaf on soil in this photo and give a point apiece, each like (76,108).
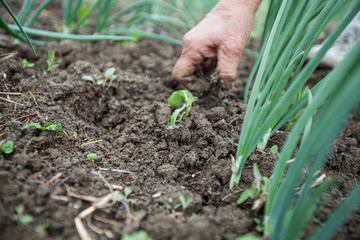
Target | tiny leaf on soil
(109,73)
(88,78)
(127,191)
(7,147)
(274,150)
(140,235)
(243,197)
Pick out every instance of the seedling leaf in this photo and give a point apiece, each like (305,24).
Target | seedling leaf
(185,203)
(140,235)
(248,237)
(33,125)
(88,78)
(109,73)
(57,127)
(176,98)
(274,150)
(127,191)
(119,197)
(91,156)
(243,197)
(7,147)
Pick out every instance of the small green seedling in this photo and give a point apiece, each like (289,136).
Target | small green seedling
(121,197)
(175,100)
(20,217)
(6,148)
(24,63)
(56,127)
(91,157)
(42,227)
(274,150)
(259,225)
(109,77)
(51,62)
(140,235)
(225,102)
(248,237)
(259,187)
(183,203)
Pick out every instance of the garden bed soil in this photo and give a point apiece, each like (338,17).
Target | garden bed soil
(52,179)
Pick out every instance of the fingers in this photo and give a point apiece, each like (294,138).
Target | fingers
(186,66)
(194,54)
(228,61)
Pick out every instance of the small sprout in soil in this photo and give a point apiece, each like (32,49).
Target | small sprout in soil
(6,148)
(51,62)
(20,217)
(18,167)
(259,225)
(91,157)
(42,227)
(185,203)
(259,187)
(172,208)
(140,235)
(109,77)
(249,237)
(24,63)
(274,150)
(225,102)
(121,197)
(56,127)
(175,100)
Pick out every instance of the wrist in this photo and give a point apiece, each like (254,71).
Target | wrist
(248,6)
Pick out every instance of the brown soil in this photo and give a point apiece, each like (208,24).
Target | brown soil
(139,149)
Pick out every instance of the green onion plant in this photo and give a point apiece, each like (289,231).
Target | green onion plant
(278,76)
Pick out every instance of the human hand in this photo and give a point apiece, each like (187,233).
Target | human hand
(218,40)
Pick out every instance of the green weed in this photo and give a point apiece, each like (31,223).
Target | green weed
(175,100)
(225,102)
(56,127)
(20,217)
(274,150)
(108,77)
(42,227)
(24,63)
(91,157)
(183,203)
(125,196)
(51,62)
(259,187)
(259,225)
(140,235)
(6,148)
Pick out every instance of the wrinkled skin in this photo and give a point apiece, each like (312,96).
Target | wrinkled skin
(218,40)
